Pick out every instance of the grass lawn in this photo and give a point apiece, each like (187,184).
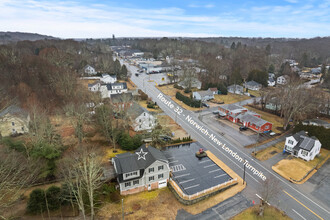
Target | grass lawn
(255,93)
(111,154)
(143,103)
(270,213)
(269,152)
(297,168)
(230,98)
(277,121)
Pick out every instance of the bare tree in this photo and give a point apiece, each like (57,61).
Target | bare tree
(268,192)
(83,174)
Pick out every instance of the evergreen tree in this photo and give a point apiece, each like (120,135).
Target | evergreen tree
(36,203)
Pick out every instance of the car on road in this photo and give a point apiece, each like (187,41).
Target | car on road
(243,128)
(206,105)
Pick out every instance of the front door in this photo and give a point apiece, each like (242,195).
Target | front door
(295,153)
(149,187)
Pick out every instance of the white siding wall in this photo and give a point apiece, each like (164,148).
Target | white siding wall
(145,121)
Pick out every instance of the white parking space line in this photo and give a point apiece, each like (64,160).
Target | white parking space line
(187,174)
(170,158)
(261,198)
(186,181)
(178,168)
(210,165)
(174,161)
(220,175)
(298,214)
(214,170)
(205,161)
(191,187)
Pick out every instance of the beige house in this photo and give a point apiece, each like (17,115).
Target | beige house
(14,120)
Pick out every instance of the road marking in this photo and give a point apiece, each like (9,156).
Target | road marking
(210,165)
(178,168)
(220,175)
(215,210)
(262,199)
(187,174)
(303,205)
(214,170)
(298,214)
(170,158)
(174,161)
(205,161)
(186,181)
(228,144)
(191,187)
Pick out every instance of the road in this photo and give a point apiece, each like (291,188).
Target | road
(290,198)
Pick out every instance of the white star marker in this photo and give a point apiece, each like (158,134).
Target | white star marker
(141,154)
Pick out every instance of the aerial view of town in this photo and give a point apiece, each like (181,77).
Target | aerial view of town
(179,110)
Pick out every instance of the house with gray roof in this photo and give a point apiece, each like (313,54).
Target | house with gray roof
(252,85)
(317,122)
(113,88)
(302,146)
(14,120)
(236,89)
(203,95)
(141,118)
(106,78)
(145,169)
(89,70)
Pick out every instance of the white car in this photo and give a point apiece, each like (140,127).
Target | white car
(272,133)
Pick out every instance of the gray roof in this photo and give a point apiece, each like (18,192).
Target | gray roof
(109,86)
(122,97)
(304,142)
(14,110)
(252,83)
(136,110)
(317,122)
(236,87)
(205,93)
(128,162)
(270,79)
(232,107)
(248,117)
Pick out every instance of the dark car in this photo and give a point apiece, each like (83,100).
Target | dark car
(136,74)
(165,138)
(243,128)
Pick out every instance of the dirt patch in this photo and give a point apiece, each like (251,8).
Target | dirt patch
(296,168)
(166,121)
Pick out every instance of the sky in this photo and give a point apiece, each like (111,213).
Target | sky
(167,18)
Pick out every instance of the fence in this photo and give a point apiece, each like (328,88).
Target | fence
(202,193)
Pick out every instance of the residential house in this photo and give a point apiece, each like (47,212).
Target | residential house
(236,89)
(141,118)
(271,82)
(282,80)
(232,111)
(271,75)
(316,122)
(194,82)
(252,85)
(106,78)
(146,169)
(302,146)
(122,101)
(94,87)
(113,88)
(203,95)
(316,71)
(89,70)
(14,120)
(273,104)
(254,122)
(214,90)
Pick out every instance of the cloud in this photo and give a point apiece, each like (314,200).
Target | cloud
(292,1)
(201,6)
(69,19)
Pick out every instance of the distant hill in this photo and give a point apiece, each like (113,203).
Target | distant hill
(10,37)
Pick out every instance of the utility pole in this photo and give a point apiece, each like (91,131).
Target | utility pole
(122,208)
(244,172)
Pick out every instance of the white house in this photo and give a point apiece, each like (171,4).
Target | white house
(203,95)
(146,169)
(195,83)
(14,120)
(236,89)
(94,87)
(113,88)
(89,70)
(252,85)
(141,118)
(106,78)
(282,80)
(302,146)
(271,82)
(214,90)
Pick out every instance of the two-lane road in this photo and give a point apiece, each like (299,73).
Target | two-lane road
(296,203)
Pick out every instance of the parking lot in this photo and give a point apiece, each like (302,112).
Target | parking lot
(193,174)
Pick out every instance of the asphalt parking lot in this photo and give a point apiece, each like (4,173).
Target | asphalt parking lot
(193,174)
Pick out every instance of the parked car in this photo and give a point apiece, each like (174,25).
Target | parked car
(165,138)
(206,105)
(272,133)
(216,112)
(136,74)
(243,128)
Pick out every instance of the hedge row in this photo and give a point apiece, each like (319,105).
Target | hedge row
(188,101)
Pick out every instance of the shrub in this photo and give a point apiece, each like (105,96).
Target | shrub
(177,86)
(15,145)
(143,95)
(187,90)
(36,203)
(53,195)
(188,101)
(321,133)
(128,143)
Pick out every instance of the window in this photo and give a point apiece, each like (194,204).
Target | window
(22,128)
(131,174)
(290,142)
(266,127)
(161,167)
(139,120)
(127,184)
(144,114)
(304,153)
(151,170)
(13,123)
(151,178)
(160,176)
(288,148)
(135,182)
